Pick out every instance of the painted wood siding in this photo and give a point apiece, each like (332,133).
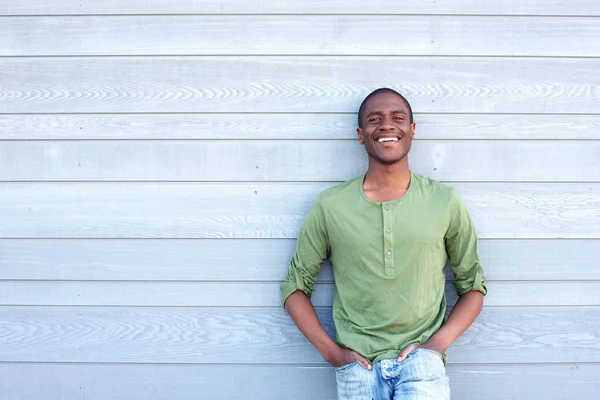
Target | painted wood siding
(157,159)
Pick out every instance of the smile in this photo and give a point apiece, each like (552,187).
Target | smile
(387,139)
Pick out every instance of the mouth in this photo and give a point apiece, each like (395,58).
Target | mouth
(387,139)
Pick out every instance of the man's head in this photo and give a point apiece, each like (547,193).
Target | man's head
(361,109)
(385,126)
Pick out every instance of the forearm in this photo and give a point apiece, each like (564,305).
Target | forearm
(464,313)
(300,308)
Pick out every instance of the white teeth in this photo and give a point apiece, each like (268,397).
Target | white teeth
(387,139)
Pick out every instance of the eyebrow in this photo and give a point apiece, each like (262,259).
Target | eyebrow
(380,113)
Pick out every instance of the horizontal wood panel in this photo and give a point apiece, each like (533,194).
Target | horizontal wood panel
(288,126)
(183,382)
(506,7)
(295,35)
(238,294)
(319,160)
(297,84)
(257,259)
(267,335)
(261,210)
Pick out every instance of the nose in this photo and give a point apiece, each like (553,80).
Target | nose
(386,124)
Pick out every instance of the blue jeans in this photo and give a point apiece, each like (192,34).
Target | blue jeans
(421,376)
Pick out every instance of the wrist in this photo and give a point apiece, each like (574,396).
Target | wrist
(331,352)
(436,344)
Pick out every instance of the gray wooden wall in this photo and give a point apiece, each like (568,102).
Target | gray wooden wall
(157,159)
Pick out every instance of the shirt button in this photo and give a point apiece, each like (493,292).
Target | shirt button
(389,253)
(387,207)
(388,230)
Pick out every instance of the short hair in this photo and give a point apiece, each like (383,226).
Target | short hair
(375,92)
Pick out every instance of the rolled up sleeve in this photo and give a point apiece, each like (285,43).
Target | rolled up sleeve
(462,249)
(311,249)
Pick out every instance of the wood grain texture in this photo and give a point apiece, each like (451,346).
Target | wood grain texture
(450,7)
(250,294)
(300,35)
(249,335)
(166,285)
(260,210)
(257,259)
(297,84)
(204,382)
(289,126)
(318,160)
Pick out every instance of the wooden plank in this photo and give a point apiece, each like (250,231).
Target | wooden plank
(288,126)
(32,381)
(257,259)
(296,84)
(252,294)
(272,160)
(267,335)
(300,35)
(180,260)
(262,210)
(449,7)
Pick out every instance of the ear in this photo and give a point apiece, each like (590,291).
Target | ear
(413,126)
(361,137)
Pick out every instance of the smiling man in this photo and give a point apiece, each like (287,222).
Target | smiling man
(388,235)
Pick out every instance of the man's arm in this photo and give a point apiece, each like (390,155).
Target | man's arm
(300,308)
(466,309)
(311,249)
(465,263)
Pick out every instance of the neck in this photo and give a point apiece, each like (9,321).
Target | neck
(386,182)
(388,177)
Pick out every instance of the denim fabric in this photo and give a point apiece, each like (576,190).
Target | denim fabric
(421,376)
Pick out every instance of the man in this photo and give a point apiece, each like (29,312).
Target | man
(388,235)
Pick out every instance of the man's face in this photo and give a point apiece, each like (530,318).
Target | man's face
(387,132)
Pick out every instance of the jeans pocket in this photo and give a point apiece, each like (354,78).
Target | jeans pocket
(345,367)
(430,351)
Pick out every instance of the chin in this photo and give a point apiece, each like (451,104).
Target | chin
(390,159)
(386,158)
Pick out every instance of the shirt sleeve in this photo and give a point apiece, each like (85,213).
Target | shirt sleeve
(462,249)
(311,249)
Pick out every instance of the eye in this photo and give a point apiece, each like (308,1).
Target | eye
(399,118)
(374,119)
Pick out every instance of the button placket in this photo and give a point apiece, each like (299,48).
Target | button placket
(388,240)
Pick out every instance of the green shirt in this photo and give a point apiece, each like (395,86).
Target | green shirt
(388,261)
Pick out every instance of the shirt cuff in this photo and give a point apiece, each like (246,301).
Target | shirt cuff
(287,288)
(475,284)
